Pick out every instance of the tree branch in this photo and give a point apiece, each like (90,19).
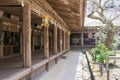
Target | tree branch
(95,17)
(114,18)
(106,2)
(99,6)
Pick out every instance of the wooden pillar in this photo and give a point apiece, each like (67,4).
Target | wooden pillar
(27,35)
(60,40)
(21,41)
(46,42)
(41,41)
(32,38)
(55,40)
(68,41)
(1,39)
(1,35)
(64,40)
(82,39)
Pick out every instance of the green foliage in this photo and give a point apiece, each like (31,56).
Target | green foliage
(101,52)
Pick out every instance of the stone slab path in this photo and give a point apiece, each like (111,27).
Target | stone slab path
(67,69)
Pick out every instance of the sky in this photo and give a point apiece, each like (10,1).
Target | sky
(109,13)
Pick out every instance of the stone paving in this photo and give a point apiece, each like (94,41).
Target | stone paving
(74,67)
(86,72)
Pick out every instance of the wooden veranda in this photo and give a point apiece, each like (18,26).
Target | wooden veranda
(27,48)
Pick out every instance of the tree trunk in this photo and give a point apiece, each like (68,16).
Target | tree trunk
(100,67)
(110,37)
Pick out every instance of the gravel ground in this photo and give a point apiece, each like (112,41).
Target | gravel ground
(114,70)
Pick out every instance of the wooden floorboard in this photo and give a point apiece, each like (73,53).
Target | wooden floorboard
(12,67)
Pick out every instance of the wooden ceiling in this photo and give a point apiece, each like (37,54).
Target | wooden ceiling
(71,11)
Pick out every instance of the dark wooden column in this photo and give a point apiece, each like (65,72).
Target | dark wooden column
(1,39)
(60,40)
(64,40)
(55,40)
(69,41)
(26,28)
(21,41)
(46,42)
(41,41)
(82,39)
(32,42)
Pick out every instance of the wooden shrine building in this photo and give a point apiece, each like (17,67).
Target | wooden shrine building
(35,33)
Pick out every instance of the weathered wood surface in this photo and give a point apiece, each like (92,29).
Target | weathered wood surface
(73,9)
(46,42)
(55,40)
(61,41)
(1,39)
(26,28)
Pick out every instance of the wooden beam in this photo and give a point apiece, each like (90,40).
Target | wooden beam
(65,14)
(68,19)
(62,9)
(12,21)
(55,40)
(38,8)
(8,2)
(60,6)
(26,28)
(4,5)
(46,42)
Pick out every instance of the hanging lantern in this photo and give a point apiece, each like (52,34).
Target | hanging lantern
(68,33)
(45,21)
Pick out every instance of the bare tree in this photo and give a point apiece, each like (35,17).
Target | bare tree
(98,13)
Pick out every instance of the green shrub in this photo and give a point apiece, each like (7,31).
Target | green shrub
(101,52)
